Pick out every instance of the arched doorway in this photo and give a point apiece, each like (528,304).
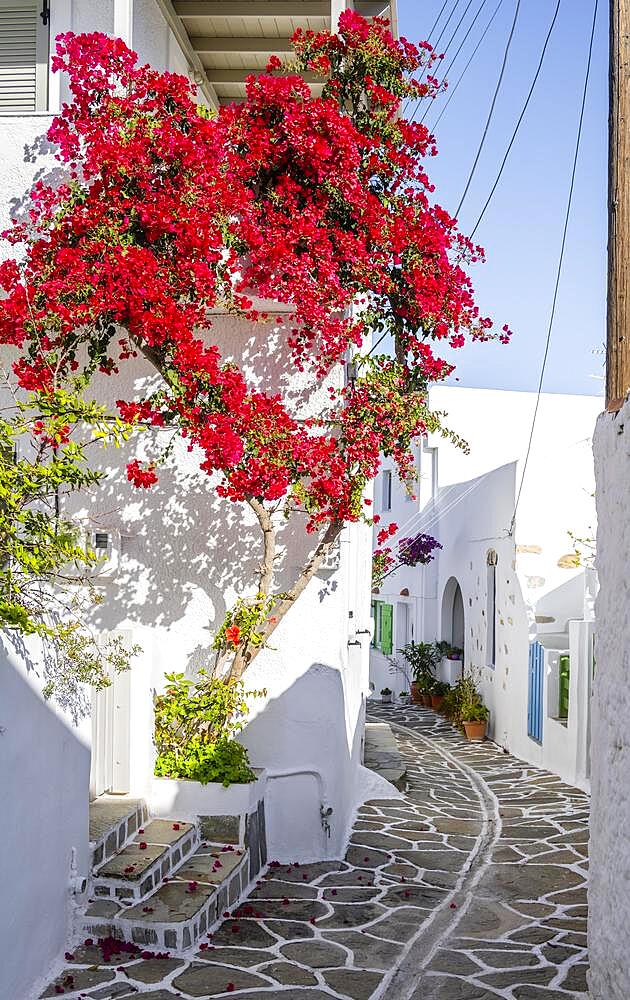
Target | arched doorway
(453,619)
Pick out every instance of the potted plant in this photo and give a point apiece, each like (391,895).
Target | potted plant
(422,658)
(438,691)
(403,697)
(473,714)
(450,660)
(386,696)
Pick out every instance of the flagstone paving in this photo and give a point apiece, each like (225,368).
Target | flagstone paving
(469,887)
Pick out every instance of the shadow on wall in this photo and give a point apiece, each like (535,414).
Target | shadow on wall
(301,737)
(184,553)
(555,609)
(44,785)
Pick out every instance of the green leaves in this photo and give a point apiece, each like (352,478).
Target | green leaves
(225,761)
(45,561)
(195,723)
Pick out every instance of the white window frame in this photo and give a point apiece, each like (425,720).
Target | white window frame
(386,495)
(491,608)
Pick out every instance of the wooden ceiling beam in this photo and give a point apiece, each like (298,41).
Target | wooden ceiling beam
(218,76)
(252,8)
(211,44)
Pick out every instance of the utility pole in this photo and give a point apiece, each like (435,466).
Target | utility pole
(618,324)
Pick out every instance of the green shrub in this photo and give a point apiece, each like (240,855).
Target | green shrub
(422,658)
(440,688)
(463,703)
(224,761)
(195,724)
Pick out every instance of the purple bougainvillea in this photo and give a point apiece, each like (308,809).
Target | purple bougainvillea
(419,549)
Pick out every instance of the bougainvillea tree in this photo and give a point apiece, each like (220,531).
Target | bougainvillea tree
(320,204)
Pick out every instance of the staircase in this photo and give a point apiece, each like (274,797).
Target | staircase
(164,883)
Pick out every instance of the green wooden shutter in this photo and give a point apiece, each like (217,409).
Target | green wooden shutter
(563,685)
(387,619)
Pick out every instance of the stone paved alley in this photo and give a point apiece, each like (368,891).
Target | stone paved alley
(470,887)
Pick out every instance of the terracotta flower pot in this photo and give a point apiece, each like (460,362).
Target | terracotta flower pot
(426,700)
(436,701)
(416,694)
(475,731)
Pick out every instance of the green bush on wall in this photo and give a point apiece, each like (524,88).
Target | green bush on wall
(195,725)
(225,761)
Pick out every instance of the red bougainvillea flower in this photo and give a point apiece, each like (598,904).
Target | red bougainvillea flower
(233,634)
(142,478)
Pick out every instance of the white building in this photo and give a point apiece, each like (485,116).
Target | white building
(503,587)
(178,557)
(609,848)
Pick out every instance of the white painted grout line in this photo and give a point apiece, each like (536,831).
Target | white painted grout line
(401,981)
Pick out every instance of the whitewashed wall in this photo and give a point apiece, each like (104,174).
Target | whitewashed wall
(609,880)
(44,773)
(536,597)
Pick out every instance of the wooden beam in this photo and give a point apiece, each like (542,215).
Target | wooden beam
(218,76)
(196,70)
(211,44)
(372,8)
(252,8)
(618,320)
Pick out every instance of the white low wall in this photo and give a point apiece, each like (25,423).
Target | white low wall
(609,887)
(44,781)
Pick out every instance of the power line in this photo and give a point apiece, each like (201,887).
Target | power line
(520,119)
(439,39)
(435,23)
(560,262)
(453,90)
(492,106)
(446,49)
(460,46)
(446,24)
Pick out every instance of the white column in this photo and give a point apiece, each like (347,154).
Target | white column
(123,21)
(60,22)
(336,7)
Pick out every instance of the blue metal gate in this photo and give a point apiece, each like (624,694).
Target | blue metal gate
(535,691)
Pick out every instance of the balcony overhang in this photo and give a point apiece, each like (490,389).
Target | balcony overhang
(227,40)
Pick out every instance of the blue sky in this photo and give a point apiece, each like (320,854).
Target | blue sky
(522,228)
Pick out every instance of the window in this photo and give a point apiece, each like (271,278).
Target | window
(23,56)
(491,608)
(387,490)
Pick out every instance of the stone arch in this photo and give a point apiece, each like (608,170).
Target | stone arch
(453,622)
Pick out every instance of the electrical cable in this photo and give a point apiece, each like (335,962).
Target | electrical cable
(559,269)
(453,90)
(492,107)
(435,23)
(520,118)
(446,49)
(459,48)
(446,24)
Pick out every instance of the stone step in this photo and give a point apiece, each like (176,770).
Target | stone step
(156,851)
(114,819)
(182,908)
(381,754)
